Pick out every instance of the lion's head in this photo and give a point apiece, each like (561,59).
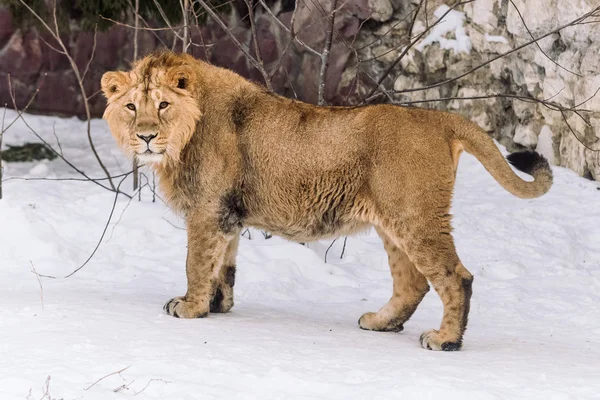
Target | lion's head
(153,109)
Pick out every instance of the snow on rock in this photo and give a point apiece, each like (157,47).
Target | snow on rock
(495,38)
(544,144)
(452,22)
(563,69)
(534,326)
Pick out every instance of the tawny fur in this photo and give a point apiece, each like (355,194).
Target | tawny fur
(229,154)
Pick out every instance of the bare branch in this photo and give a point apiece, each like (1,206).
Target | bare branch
(574,22)
(329,248)
(20,116)
(75,69)
(266,77)
(112,210)
(411,44)
(325,53)
(244,49)
(39,282)
(538,45)
(135,57)
(87,67)
(186,30)
(106,376)
(291,29)
(576,134)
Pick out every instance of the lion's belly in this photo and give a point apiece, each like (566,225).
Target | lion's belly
(308,231)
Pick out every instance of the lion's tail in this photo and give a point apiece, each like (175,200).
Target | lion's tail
(477,142)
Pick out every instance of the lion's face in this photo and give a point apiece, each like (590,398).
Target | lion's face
(152,112)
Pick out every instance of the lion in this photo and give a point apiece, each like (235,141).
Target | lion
(229,154)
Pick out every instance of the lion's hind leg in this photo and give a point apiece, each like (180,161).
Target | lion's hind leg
(431,248)
(410,286)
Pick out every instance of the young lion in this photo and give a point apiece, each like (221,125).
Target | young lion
(229,154)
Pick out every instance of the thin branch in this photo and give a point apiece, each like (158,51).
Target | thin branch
(290,30)
(257,50)
(239,45)
(18,178)
(325,53)
(1,162)
(186,30)
(150,381)
(112,210)
(87,67)
(344,247)
(538,45)
(164,17)
(329,248)
(56,35)
(106,376)
(410,45)
(49,146)
(33,271)
(135,57)
(574,22)
(564,117)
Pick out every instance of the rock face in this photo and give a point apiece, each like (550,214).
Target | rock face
(568,73)
(369,37)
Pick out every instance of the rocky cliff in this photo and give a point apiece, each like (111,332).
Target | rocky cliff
(369,37)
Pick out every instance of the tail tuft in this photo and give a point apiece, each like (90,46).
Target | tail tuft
(528,162)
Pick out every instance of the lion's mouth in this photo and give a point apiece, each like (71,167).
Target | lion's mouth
(149,152)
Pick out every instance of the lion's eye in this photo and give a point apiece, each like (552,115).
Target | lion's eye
(163,105)
(131,106)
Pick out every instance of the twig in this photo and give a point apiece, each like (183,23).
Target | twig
(239,45)
(87,67)
(135,57)
(56,137)
(574,22)
(257,50)
(538,45)
(19,178)
(106,376)
(290,30)
(1,162)
(325,53)
(56,35)
(186,30)
(344,247)
(20,115)
(329,248)
(40,283)
(112,210)
(175,226)
(150,381)
(564,117)
(410,45)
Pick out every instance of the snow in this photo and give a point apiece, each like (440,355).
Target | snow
(534,327)
(453,22)
(495,39)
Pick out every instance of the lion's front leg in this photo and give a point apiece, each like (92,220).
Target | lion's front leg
(222,299)
(207,246)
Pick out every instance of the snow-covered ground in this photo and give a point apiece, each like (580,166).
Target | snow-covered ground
(534,330)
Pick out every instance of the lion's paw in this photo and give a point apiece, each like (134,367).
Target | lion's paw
(180,308)
(431,340)
(372,321)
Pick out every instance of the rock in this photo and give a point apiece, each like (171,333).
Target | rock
(381,10)
(526,136)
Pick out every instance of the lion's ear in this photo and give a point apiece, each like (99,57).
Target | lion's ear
(114,82)
(182,77)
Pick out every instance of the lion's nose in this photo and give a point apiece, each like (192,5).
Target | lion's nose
(147,138)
